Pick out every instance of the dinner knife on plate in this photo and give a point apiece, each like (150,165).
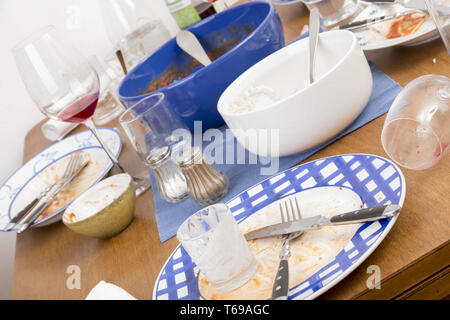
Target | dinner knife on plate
(31,217)
(317,222)
(415,4)
(15,220)
(367,22)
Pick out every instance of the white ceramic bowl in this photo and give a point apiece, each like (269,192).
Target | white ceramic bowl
(308,115)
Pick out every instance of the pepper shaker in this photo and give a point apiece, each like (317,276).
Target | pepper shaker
(206,184)
(170,180)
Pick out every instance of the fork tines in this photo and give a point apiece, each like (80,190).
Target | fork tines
(291,211)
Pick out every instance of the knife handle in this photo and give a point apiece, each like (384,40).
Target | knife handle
(281,284)
(31,218)
(23,212)
(366,215)
(360,23)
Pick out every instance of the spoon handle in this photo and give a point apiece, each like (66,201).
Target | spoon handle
(189,43)
(314,25)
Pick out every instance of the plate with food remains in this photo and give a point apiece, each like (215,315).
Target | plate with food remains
(319,258)
(48,166)
(408,27)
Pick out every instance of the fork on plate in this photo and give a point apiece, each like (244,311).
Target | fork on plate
(290,212)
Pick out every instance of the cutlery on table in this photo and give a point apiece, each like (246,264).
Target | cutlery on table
(76,165)
(15,220)
(290,212)
(367,22)
(413,4)
(317,222)
(189,43)
(314,29)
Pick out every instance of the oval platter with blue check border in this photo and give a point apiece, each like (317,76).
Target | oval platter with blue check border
(376,180)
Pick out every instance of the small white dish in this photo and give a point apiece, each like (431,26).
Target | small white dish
(104,210)
(307,115)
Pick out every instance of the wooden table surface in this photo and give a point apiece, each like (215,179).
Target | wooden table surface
(413,258)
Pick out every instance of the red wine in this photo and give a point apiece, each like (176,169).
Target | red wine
(80,110)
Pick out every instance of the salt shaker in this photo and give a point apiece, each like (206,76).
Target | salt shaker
(206,184)
(170,180)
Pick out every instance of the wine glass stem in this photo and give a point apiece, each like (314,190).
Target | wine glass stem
(90,124)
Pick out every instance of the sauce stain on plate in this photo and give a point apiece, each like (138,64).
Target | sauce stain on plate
(53,173)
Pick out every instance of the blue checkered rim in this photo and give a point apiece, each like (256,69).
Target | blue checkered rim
(376,180)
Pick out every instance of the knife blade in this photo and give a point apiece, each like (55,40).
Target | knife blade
(31,217)
(316,222)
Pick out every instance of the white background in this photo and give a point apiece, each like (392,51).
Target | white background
(82,22)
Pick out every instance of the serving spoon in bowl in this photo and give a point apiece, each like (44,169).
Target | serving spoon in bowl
(189,43)
(314,29)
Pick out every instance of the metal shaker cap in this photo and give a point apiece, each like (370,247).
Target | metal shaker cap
(189,156)
(158,155)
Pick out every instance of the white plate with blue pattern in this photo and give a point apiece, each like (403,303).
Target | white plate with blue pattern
(376,180)
(28,181)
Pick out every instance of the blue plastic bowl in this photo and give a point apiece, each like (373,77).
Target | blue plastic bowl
(254,29)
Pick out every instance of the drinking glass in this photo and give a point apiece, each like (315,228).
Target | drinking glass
(130,29)
(150,126)
(416,133)
(333,12)
(439,11)
(109,106)
(60,80)
(213,240)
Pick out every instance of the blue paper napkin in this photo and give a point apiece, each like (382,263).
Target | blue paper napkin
(170,216)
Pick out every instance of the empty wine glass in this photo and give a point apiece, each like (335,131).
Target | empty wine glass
(416,133)
(131,29)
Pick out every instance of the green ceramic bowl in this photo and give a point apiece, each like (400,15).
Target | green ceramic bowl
(104,210)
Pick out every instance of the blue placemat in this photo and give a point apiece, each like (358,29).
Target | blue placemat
(170,216)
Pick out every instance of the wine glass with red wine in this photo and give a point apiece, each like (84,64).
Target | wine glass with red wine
(60,80)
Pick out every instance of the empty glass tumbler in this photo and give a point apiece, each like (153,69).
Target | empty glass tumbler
(416,133)
(109,106)
(213,240)
(149,125)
